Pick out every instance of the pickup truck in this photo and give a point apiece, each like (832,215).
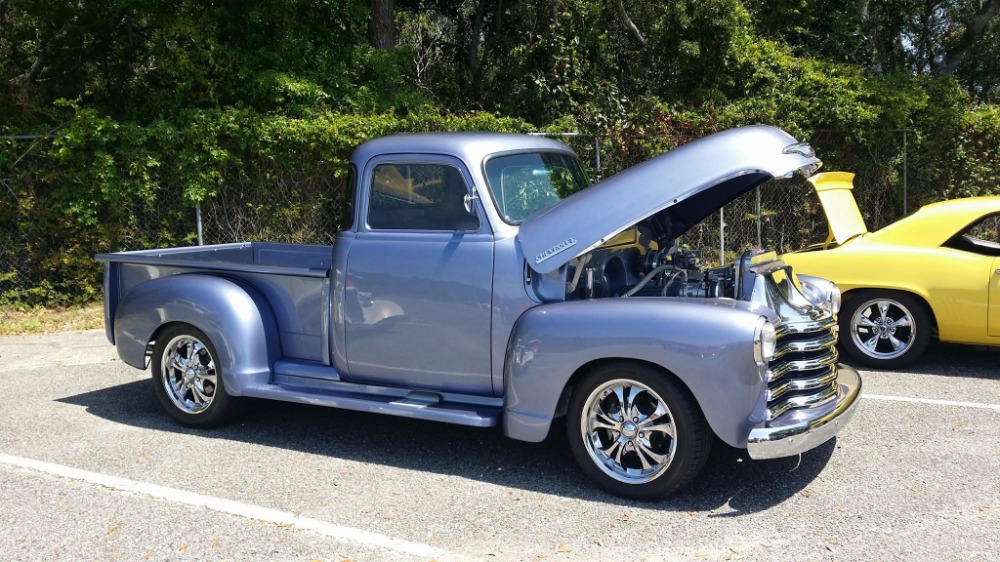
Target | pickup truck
(481,281)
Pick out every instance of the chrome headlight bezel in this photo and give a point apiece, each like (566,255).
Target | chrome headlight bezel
(822,293)
(835,300)
(765,341)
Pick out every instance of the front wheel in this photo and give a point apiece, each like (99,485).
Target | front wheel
(636,432)
(884,329)
(187,378)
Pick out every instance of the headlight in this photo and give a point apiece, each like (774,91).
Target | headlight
(835,300)
(764,341)
(821,292)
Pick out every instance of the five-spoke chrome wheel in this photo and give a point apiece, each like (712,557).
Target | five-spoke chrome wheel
(188,373)
(628,431)
(884,329)
(636,431)
(188,377)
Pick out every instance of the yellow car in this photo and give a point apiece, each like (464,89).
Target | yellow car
(933,273)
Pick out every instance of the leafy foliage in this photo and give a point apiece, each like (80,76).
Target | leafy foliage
(98,185)
(146,108)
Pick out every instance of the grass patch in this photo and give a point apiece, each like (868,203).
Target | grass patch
(14,321)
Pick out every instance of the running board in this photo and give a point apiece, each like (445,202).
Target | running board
(421,405)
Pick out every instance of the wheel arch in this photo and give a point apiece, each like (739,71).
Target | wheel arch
(233,315)
(563,405)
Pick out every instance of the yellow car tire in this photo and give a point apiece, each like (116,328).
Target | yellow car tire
(884,329)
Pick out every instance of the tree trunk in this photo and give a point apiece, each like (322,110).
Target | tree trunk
(926,41)
(869,31)
(974,29)
(382,27)
(475,59)
(627,22)
(42,59)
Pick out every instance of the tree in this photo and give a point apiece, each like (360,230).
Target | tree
(382,26)
(626,21)
(965,32)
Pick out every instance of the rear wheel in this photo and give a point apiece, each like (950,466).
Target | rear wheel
(188,379)
(885,329)
(636,432)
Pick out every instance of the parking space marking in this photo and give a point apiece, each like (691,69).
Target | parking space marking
(274,516)
(934,402)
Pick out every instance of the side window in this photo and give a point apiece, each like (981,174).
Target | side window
(986,230)
(983,237)
(419,197)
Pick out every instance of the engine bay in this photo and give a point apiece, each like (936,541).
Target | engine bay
(645,261)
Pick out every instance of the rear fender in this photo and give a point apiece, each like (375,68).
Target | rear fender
(237,319)
(706,344)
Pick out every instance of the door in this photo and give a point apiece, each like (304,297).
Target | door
(419,280)
(983,239)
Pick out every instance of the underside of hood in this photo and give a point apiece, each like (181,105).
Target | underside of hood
(682,187)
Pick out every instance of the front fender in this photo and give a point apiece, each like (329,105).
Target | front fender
(237,319)
(707,345)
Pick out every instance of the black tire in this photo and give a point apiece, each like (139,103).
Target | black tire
(884,329)
(616,456)
(187,378)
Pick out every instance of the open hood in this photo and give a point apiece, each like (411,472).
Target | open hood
(684,185)
(842,213)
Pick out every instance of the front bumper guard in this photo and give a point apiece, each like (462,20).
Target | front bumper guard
(798,431)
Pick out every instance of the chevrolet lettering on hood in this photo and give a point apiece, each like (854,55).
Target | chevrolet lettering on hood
(564,245)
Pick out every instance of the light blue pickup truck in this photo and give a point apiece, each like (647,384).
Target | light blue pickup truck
(480,281)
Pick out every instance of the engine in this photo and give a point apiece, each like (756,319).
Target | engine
(636,264)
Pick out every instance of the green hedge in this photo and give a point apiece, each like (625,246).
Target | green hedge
(101,185)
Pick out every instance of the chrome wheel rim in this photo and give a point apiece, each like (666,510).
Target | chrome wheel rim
(628,431)
(883,329)
(189,374)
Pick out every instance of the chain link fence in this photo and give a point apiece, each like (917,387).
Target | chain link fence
(18,276)
(262,200)
(15,273)
(297,206)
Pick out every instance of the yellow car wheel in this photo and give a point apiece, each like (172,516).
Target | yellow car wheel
(885,329)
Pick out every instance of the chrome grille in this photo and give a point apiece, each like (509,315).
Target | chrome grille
(803,372)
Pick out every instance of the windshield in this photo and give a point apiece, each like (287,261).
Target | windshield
(524,184)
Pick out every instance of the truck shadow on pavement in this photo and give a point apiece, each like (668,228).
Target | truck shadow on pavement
(729,478)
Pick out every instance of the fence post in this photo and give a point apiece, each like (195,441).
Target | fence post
(197,214)
(722,237)
(597,152)
(757,209)
(905,186)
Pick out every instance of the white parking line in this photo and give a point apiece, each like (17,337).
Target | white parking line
(976,405)
(277,517)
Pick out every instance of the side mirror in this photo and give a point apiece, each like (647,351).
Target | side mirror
(469,202)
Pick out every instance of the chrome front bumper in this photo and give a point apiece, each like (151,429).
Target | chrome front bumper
(800,430)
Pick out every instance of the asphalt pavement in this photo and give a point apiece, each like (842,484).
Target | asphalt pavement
(92,469)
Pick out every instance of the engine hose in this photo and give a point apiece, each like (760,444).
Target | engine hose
(646,279)
(684,277)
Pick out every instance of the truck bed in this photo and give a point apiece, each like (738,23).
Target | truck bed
(266,257)
(294,278)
